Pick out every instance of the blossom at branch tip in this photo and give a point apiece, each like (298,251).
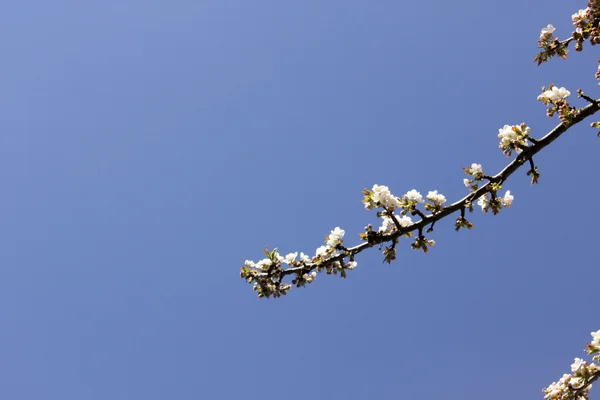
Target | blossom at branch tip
(547,32)
(467,182)
(554,94)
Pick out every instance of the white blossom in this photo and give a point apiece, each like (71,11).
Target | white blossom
(467,182)
(415,196)
(507,135)
(513,136)
(249,264)
(383,196)
(567,383)
(547,32)
(337,233)
(290,258)
(476,169)
(554,94)
(304,257)
(579,16)
(403,220)
(436,198)
(482,202)
(380,192)
(595,339)
(264,264)
(335,237)
(554,391)
(577,364)
(321,251)
(352,265)
(507,199)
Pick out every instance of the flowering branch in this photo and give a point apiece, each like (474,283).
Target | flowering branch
(587,27)
(267,275)
(577,385)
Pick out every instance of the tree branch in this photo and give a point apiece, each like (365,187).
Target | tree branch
(461,204)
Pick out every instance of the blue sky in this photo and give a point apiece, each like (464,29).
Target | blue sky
(150,147)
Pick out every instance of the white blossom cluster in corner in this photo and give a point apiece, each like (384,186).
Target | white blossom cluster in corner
(577,384)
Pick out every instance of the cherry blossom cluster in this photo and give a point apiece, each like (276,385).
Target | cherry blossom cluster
(578,383)
(476,172)
(555,99)
(490,201)
(399,224)
(267,274)
(513,137)
(553,95)
(550,45)
(587,27)
(395,214)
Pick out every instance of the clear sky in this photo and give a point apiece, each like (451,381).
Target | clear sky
(149,147)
